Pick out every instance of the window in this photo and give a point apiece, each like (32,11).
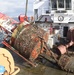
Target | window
(68,4)
(54,4)
(60,3)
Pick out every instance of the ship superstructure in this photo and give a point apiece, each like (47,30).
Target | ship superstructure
(60,13)
(57,11)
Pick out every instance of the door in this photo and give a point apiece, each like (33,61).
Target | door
(65,30)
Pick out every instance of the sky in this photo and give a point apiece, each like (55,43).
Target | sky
(14,8)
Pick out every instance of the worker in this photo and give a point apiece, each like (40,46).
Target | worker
(31,18)
(45,19)
(51,29)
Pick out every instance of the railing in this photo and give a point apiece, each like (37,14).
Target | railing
(37,1)
(46,11)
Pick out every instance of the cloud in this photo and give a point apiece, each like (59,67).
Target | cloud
(16,7)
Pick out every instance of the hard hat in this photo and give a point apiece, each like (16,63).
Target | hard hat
(2,69)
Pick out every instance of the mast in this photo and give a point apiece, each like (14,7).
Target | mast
(26,7)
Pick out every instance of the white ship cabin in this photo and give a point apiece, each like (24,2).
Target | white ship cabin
(57,11)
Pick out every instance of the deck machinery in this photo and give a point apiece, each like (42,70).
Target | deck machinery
(29,41)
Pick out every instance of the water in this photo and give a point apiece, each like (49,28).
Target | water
(16,18)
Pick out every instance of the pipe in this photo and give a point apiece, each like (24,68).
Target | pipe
(63,49)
